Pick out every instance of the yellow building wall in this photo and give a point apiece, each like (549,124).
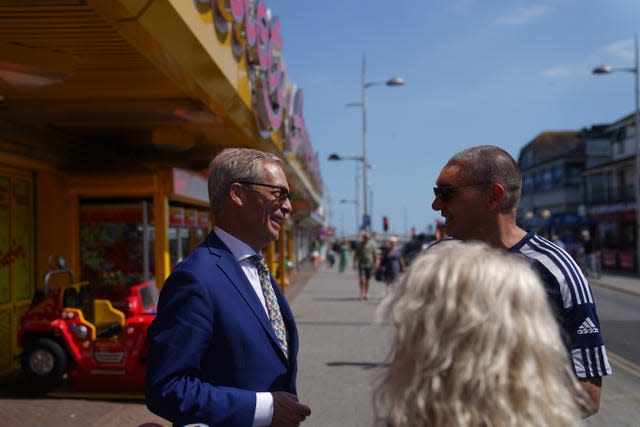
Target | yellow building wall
(56,217)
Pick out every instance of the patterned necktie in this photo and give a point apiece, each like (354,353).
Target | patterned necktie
(272,302)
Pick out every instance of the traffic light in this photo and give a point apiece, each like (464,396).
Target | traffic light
(385,223)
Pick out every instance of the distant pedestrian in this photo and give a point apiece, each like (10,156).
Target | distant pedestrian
(393,262)
(589,255)
(477,193)
(331,255)
(476,344)
(314,251)
(366,260)
(556,239)
(440,235)
(344,249)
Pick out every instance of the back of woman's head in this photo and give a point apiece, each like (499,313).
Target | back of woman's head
(476,344)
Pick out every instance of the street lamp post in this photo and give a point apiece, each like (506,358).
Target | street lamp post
(606,69)
(364,84)
(336,157)
(355,202)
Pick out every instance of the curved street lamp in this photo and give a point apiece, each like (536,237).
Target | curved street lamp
(334,157)
(607,69)
(364,84)
(337,157)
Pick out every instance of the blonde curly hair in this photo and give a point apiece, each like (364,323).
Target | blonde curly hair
(476,344)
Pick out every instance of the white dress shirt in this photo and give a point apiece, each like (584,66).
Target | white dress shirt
(241,251)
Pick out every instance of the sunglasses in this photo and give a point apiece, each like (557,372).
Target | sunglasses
(445,192)
(281,193)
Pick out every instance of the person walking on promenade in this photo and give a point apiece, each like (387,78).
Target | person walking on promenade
(589,255)
(440,235)
(393,262)
(477,193)
(476,344)
(366,260)
(344,249)
(556,240)
(224,343)
(314,252)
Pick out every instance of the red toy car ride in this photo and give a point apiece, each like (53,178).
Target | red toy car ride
(69,332)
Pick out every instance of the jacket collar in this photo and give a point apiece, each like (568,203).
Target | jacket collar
(229,265)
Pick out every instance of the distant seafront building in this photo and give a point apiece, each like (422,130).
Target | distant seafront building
(552,188)
(583,179)
(610,196)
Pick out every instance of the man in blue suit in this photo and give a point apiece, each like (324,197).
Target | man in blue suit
(217,356)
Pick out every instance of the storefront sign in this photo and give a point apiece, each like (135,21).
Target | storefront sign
(612,208)
(189,184)
(609,258)
(112,213)
(255,35)
(277,105)
(176,215)
(203,219)
(191,217)
(627,260)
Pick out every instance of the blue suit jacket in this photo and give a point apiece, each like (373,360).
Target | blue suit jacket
(212,346)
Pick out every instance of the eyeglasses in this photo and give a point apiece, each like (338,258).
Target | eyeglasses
(445,192)
(281,193)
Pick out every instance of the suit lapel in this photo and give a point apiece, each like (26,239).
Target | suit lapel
(231,268)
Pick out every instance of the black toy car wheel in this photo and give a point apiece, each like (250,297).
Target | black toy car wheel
(44,362)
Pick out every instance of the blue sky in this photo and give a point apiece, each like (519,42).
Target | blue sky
(476,72)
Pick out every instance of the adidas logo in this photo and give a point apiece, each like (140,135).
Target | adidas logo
(588,327)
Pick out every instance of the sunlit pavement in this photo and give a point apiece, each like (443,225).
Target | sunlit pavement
(620,405)
(342,349)
(343,352)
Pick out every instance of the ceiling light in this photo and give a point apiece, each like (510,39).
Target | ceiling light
(199,115)
(19,76)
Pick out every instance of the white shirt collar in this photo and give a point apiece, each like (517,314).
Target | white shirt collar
(238,248)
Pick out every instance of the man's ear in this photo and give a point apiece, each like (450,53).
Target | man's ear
(496,196)
(237,194)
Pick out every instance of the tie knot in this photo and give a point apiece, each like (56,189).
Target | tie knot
(258,261)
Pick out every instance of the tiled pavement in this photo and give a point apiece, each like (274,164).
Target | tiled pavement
(341,353)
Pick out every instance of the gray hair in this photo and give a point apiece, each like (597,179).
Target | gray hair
(233,165)
(493,164)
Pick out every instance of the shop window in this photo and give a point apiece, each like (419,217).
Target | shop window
(607,234)
(628,235)
(616,180)
(558,174)
(188,227)
(597,188)
(116,244)
(537,181)
(628,189)
(618,144)
(573,174)
(527,184)
(546,179)
(528,158)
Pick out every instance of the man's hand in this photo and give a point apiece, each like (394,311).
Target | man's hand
(287,411)
(593,389)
